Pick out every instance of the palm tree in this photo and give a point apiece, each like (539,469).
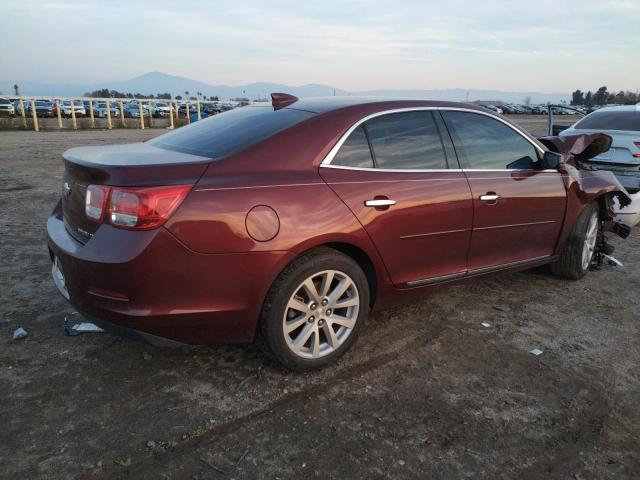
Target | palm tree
(186,93)
(15,87)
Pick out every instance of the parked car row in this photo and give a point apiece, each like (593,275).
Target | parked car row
(512,108)
(131,109)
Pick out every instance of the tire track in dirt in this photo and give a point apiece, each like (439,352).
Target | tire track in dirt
(141,468)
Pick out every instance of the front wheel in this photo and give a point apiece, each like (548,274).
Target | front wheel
(577,255)
(315,309)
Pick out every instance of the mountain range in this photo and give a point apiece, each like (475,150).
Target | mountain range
(158,82)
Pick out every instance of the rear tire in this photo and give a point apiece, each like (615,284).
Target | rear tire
(315,309)
(576,257)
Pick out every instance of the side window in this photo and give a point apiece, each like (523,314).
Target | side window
(485,143)
(355,151)
(408,140)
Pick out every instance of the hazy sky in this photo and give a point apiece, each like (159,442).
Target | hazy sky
(549,46)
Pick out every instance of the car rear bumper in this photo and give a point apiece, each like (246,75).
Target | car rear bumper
(153,287)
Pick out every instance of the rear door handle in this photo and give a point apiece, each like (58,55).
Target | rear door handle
(380,202)
(489,197)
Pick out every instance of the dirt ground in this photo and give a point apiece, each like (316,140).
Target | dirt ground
(427,391)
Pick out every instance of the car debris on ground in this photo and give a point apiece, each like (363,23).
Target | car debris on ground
(74,325)
(19,333)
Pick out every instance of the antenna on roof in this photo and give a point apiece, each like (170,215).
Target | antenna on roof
(281,100)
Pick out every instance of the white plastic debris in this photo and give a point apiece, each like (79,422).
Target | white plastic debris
(611,260)
(536,351)
(485,324)
(86,327)
(74,325)
(19,333)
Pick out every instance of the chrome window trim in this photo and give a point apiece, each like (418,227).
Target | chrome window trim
(427,170)
(326,162)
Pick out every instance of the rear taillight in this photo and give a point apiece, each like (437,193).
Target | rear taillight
(95,201)
(132,207)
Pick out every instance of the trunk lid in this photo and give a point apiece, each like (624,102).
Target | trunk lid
(128,165)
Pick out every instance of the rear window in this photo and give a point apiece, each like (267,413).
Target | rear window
(229,132)
(612,120)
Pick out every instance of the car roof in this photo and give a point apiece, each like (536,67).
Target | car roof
(620,108)
(328,104)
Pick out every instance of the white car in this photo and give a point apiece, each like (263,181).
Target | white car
(78,108)
(6,108)
(161,109)
(622,124)
(100,109)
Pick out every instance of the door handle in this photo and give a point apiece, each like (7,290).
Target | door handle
(490,197)
(380,202)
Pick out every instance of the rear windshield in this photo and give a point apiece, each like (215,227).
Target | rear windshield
(229,132)
(621,120)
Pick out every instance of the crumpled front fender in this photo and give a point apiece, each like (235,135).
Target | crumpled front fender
(590,182)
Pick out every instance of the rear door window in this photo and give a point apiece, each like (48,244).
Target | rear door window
(406,140)
(484,143)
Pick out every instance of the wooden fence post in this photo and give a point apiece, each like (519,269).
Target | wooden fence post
(109,124)
(35,116)
(59,112)
(141,114)
(23,113)
(93,120)
(122,121)
(73,115)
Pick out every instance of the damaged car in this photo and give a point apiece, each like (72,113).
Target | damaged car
(290,222)
(622,124)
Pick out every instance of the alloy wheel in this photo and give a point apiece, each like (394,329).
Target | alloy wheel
(590,241)
(321,314)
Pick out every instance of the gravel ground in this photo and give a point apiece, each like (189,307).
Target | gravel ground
(427,391)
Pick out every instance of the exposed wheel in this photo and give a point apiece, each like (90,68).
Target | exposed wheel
(315,309)
(577,254)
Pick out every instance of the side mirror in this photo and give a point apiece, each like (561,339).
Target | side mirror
(551,160)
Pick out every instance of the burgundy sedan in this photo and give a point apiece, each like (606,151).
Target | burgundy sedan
(290,222)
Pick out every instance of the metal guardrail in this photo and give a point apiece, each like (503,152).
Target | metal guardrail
(144,113)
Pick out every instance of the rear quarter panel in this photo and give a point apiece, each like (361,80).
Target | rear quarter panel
(213,218)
